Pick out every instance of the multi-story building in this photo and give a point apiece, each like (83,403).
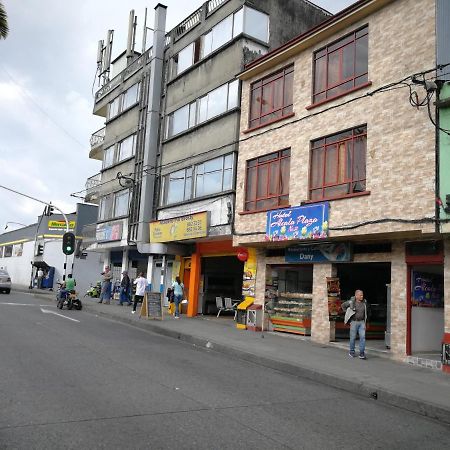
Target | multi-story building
(337,181)
(169,146)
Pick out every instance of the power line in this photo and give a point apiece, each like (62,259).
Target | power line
(26,95)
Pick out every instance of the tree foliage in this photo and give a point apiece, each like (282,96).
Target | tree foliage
(3,22)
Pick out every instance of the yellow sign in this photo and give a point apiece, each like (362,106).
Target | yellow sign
(60,225)
(179,228)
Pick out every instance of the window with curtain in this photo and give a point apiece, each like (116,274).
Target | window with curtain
(213,176)
(267,181)
(108,157)
(271,98)
(126,147)
(178,186)
(131,96)
(121,199)
(338,164)
(341,66)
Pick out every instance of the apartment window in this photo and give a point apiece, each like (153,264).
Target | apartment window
(256,24)
(121,203)
(105,207)
(108,157)
(131,96)
(214,103)
(114,107)
(178,186)
(127,147)
(341,66)
(271,97)
(214,176)
(267,181)
(338,164)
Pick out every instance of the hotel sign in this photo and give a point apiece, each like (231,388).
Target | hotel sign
(179,228)
(298,223)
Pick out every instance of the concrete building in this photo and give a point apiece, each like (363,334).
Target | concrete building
(23,251)
(169,147)
(336,186)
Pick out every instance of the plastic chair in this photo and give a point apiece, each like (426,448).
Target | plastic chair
(219,304)
(230,306)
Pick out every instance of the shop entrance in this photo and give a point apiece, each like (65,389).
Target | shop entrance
(374,280)
(221,277)
(426,303)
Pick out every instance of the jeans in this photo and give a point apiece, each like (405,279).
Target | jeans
(358,326)
(105,294)
(124,297)
(177,300)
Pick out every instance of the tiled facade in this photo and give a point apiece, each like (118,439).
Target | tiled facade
(400,158)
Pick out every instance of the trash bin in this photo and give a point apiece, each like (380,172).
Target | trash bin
(254,318)
(241,316)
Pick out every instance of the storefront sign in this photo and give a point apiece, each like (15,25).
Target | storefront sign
(179,228)
(249,277)
(57,225)
(109,232)
(428,290)
(242,254)
(320,253)
(301,222)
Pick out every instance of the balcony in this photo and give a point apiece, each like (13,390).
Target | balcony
(91,187)
(97,140)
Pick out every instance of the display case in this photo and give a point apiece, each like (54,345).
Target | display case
(290,312)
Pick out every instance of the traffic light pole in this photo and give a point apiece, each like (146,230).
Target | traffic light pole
(49,205)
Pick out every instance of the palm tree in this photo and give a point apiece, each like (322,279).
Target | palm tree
(3,22)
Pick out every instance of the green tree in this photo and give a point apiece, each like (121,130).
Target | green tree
(3,22)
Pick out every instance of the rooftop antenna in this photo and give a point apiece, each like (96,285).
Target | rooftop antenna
(144,34)
(132,23)
(104,58)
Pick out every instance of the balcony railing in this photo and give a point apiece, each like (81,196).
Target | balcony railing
(213,4)
(98,137)
(132,68)
(93,181)
(188,23)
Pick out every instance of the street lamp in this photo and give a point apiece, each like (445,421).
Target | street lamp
(15,223)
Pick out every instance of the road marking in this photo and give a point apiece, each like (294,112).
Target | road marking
(17,304)
(46,311)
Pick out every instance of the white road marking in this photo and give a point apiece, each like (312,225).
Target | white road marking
(46,311)
(17,304)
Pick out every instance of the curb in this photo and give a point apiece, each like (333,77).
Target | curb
(360,388)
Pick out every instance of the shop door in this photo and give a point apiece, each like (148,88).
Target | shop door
(426,303)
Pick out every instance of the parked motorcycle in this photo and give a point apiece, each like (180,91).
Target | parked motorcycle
(94,290)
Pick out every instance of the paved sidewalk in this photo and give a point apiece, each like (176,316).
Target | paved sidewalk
(416,389)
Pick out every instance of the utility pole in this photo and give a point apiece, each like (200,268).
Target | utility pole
(49,205)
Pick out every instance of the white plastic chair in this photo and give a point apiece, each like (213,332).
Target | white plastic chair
(219,304)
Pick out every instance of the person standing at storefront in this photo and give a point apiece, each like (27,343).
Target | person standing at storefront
(105,294)
(356,313)
(141,285)
(125,288)
(178,292)
(40,277)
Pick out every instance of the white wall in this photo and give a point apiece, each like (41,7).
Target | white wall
(19,267)
(87,271)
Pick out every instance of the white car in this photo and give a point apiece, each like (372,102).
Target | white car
(5,281)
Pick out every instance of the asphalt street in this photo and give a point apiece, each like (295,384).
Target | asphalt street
(73,380)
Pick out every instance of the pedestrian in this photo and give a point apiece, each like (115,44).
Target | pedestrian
(178,292)
(141,285)
(40,277)
(356,313)
(125,288)
(105,294)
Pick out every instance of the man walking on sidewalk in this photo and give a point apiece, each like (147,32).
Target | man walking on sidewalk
(141,285)
(356,313)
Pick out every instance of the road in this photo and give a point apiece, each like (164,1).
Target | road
(78,381)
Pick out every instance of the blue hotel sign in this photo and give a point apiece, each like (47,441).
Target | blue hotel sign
(319,253)
(298,223)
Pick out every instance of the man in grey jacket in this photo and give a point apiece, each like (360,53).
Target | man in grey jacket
(356,313)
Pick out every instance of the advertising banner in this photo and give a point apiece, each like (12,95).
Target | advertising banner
(428,290)
(109,231)
(334,298)
(60,225)
(179,228)
(320,253)
(249,276)
(298,223)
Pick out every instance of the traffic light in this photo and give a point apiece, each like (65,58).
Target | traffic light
(40,250)
(48,210)
(68,245)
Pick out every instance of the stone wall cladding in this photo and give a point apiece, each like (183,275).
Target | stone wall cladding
(400,139)
(320,322)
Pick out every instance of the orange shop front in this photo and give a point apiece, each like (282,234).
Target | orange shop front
(213,270)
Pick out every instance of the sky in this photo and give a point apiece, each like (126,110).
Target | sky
(47,69)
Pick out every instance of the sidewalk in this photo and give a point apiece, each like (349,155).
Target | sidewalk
(413,388)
